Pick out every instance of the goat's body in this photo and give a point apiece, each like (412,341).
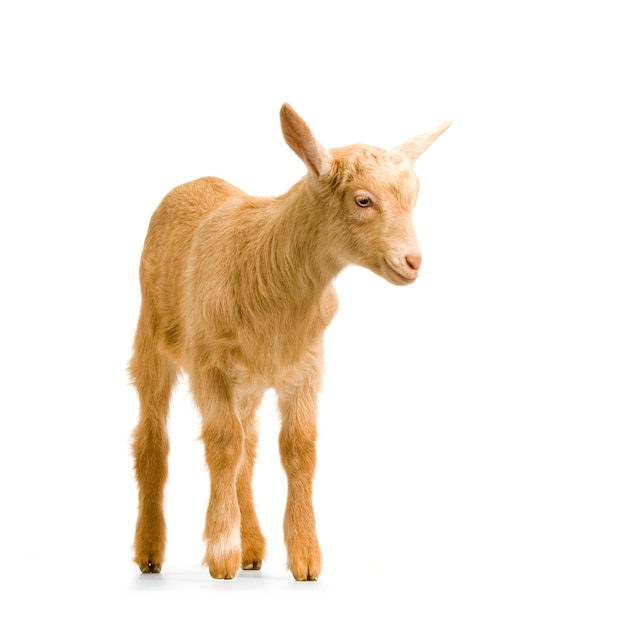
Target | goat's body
(237,291)
(260,320)
(243,327)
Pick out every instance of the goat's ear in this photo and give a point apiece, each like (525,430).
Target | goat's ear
(414,148)
(302,141)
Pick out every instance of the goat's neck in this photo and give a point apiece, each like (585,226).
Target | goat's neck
(300,245)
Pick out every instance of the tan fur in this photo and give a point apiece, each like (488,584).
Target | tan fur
(237,291)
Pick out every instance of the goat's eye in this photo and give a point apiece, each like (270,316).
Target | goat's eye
(363,201)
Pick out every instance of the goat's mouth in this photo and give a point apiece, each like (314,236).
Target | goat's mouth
(396,277)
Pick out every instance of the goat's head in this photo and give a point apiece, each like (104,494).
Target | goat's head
(371,193)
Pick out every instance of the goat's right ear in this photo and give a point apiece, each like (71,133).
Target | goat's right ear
(415,147)
(302,141)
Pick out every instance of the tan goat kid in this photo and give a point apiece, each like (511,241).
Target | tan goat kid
(237,290)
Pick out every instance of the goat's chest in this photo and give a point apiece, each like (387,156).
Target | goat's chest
(271,350)
(274,346)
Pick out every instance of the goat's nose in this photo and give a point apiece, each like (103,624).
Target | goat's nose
(414,260)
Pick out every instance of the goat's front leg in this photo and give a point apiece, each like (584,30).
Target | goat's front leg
(223,437)
(297,448)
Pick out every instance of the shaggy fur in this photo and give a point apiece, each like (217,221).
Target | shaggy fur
(237,291)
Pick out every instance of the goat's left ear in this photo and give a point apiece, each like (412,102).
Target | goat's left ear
(414,148)
(302,141)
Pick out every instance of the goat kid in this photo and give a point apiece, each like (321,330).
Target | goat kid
(237,291)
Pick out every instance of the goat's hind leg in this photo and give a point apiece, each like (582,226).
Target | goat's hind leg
(252,539)
(153,375)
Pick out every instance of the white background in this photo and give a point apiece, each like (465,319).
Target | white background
(471,454)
